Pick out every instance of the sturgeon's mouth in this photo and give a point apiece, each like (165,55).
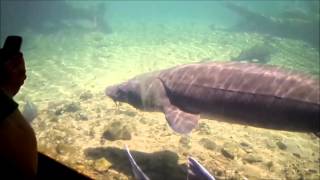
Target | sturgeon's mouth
(111,92)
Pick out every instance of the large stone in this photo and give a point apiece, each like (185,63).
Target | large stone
(252,158)
(72,107)
(203,129)
(228,153)
(64,149)
(229,150)
(86,95)
(185,141)
(102,165)
(117,131)
(208,144)
(281,145)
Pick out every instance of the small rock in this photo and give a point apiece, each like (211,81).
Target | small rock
(227,153)
(251,158)
(116,124)
(244,144)
(313,171)
(54,119)
(246,147)
(64,149)
(98,110)
(291,172)
(92,133)
(281,145)
(143,120)
(270,145)
(208,144)
(86,95)
(72,107)
(297,155)
(116,131)
(130,113)
(219,172)
(269,165)
(113,174)
(102,165)
(185,141)
(81,116)
(58,112)
(204,129)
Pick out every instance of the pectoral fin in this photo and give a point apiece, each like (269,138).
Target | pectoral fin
(180,121)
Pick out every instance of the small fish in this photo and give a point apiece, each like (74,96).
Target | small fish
(30,111)
(196,171)
(137,172)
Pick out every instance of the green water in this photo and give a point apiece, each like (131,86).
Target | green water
(73,51)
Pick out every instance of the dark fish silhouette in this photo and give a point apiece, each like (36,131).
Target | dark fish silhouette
(244,93)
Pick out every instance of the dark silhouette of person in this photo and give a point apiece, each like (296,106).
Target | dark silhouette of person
(18,145)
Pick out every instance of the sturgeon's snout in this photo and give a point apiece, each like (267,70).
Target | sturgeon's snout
(127,92)
(111,91)
(117,92)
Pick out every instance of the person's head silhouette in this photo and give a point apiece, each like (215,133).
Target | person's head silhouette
(12,66)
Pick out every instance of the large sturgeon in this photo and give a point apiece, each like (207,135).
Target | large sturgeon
(251,94)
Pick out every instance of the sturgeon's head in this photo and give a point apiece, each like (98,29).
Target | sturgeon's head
(128,92)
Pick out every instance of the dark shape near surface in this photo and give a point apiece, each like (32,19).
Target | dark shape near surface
(51,16)
(243,93)
(300,28)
